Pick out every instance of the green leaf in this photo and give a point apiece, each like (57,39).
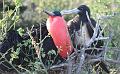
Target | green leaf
(52,52)
(43,55)
(18,2)
(20,31)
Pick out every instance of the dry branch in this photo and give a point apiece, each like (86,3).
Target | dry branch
(112,61)
(54,67)
(81,61)
(36,46)
(108,16)
(58,66)
(69,66)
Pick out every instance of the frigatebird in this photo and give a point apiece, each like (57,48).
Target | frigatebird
(57,28)
(81,29)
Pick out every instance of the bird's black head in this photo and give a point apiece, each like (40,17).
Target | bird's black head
(55,13)
(83,9)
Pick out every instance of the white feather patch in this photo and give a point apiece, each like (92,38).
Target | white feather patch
(82,36)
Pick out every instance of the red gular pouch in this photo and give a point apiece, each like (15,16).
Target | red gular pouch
(58,30)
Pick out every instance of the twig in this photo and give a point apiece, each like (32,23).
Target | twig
(106,46)
(24,69)
(34,43)
(107,60)
(109,48)
(101,38)
(91,60)
(36,46)
(108,16)
(112,61)
(94,36)
(3,55)
(69,66)
(10,64)
(58,66)
(81,61)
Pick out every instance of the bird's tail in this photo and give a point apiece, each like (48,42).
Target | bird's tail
(102,65)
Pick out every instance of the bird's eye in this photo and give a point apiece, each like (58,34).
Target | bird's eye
(81,9)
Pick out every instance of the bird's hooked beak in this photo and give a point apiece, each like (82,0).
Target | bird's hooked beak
(49,13)
(72,11)
(64,12)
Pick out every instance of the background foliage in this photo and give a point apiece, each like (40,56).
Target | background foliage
(33,15)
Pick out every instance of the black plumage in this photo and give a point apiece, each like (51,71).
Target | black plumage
(76,26)
(13,38)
